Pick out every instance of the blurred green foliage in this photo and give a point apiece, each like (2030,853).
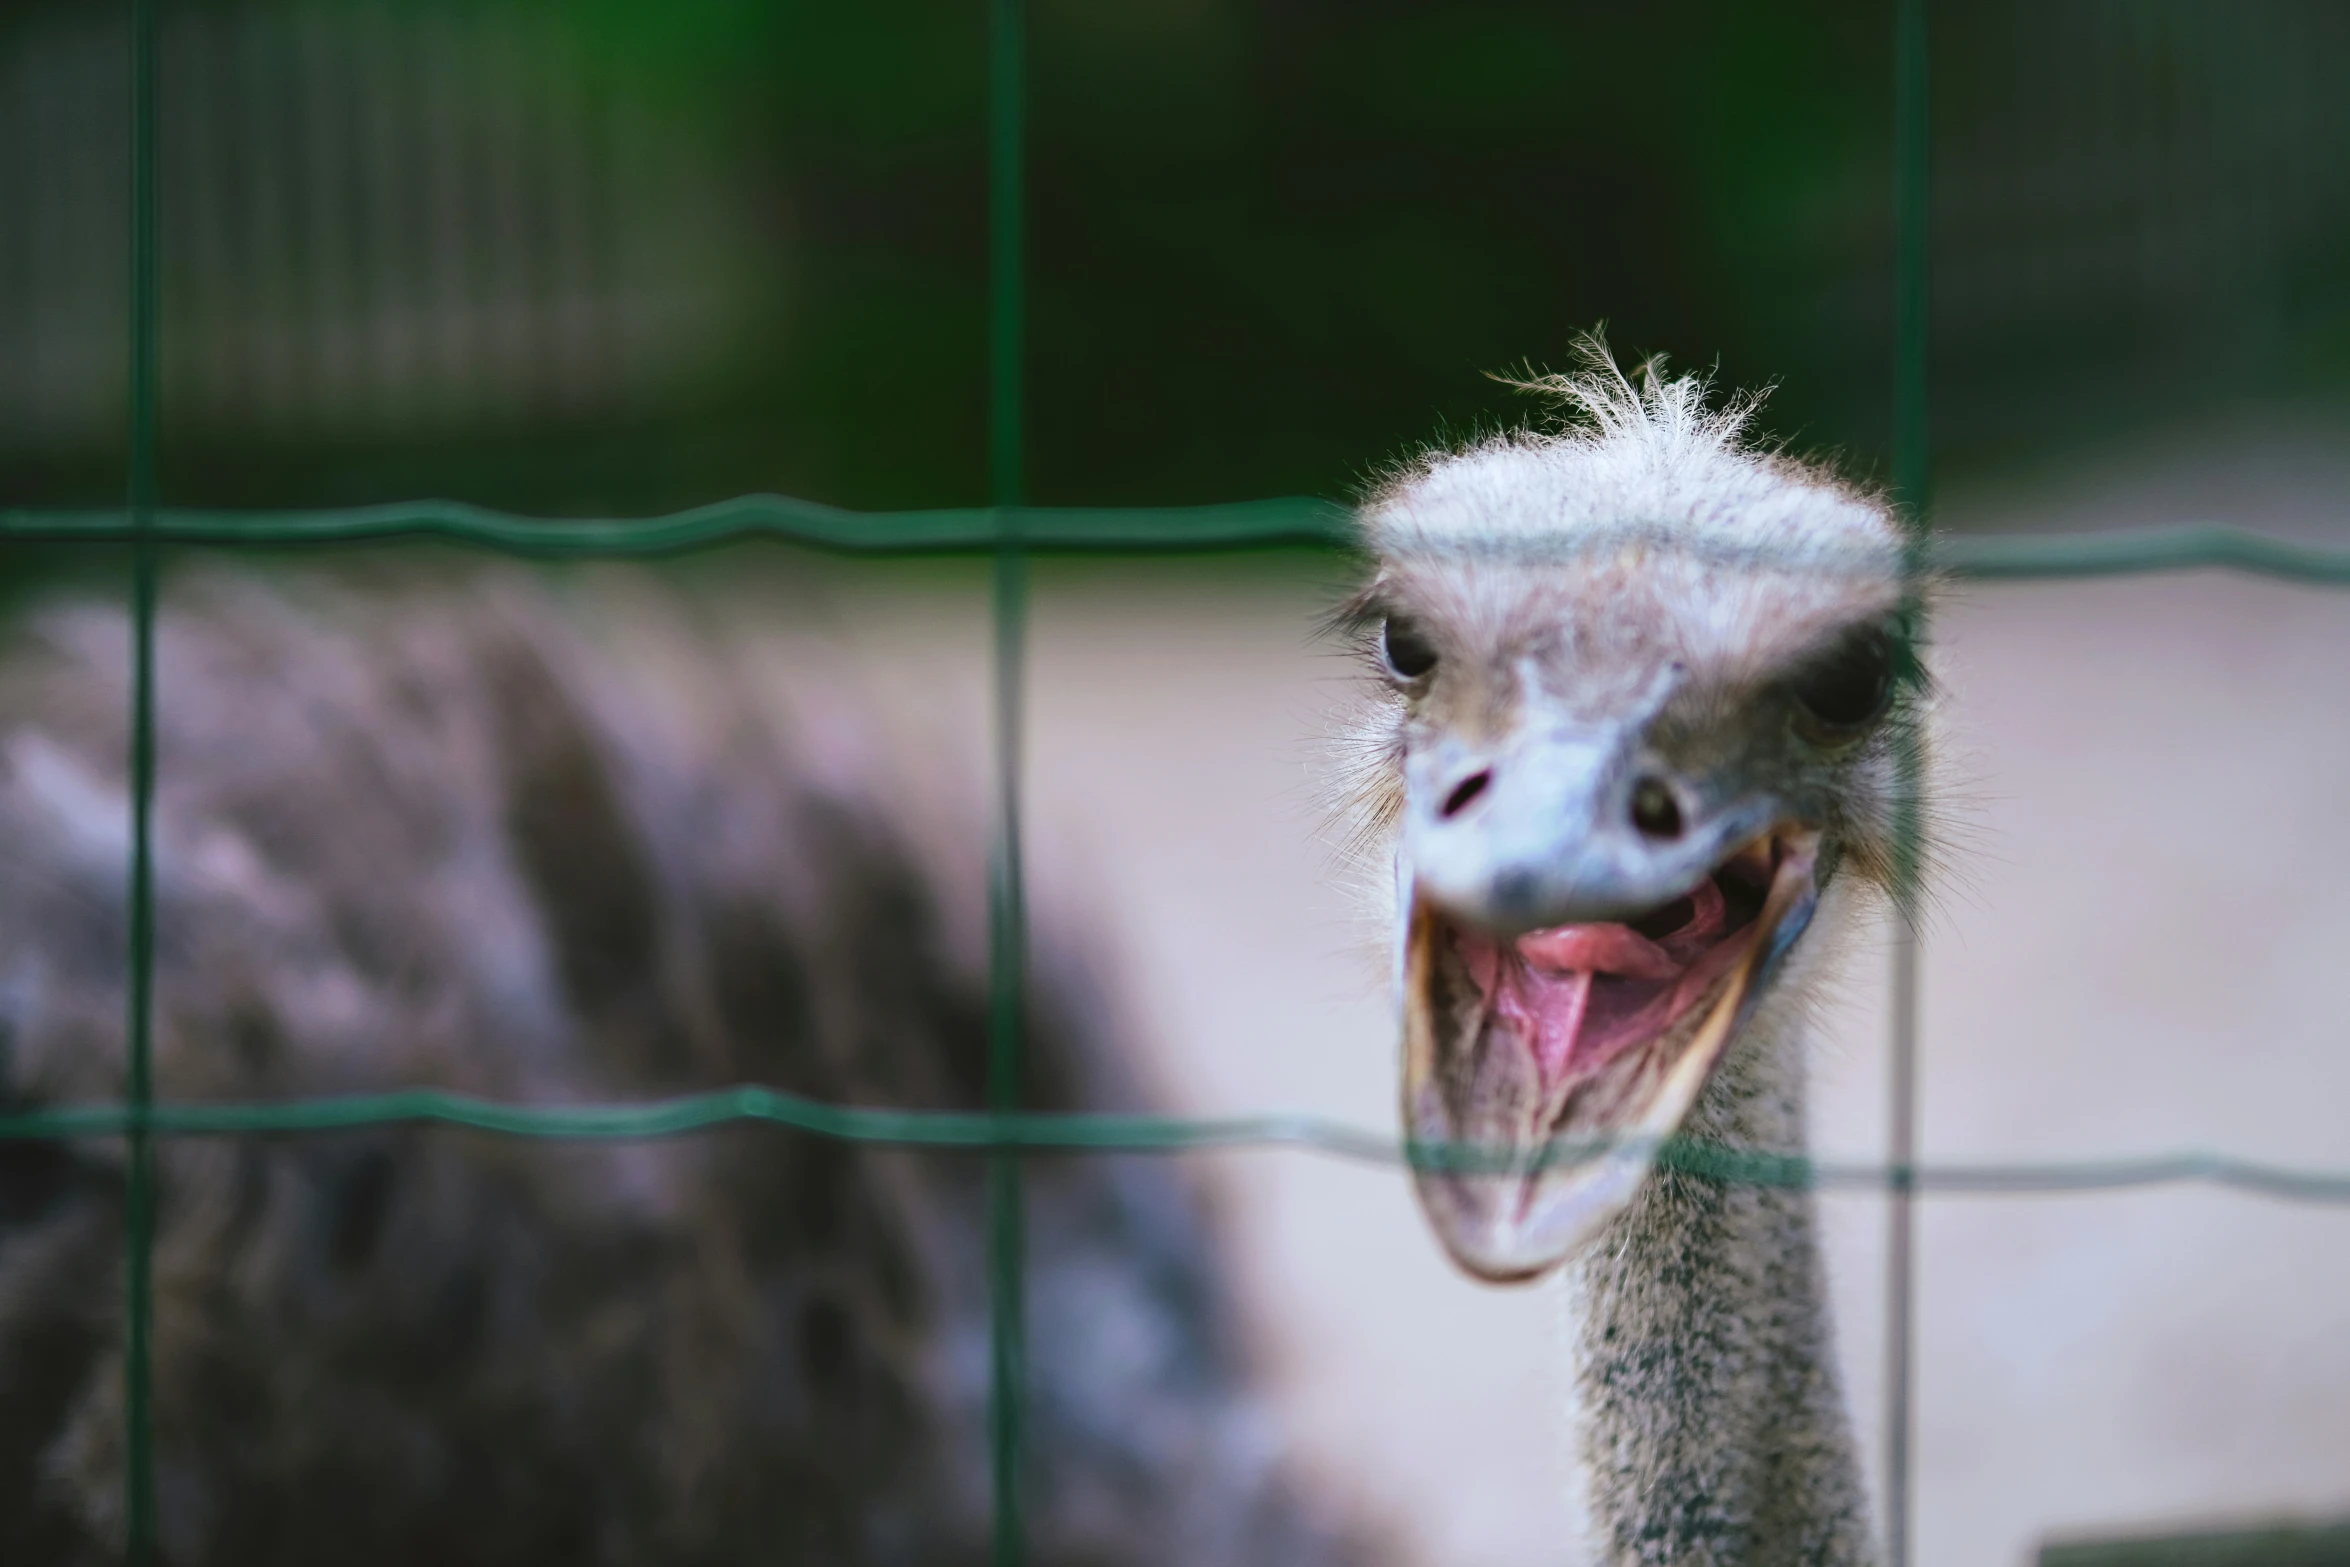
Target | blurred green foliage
(1275,242)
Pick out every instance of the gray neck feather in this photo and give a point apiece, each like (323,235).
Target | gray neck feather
(1713,1430)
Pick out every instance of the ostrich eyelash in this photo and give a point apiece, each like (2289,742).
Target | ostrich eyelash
(1359,614)
(1359,623)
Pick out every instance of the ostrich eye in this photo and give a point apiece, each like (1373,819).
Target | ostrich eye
(1846,689)
(1405,648)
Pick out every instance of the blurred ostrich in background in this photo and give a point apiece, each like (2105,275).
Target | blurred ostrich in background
(1634,755)
(442,833)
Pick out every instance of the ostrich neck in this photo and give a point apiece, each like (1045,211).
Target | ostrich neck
(1712,1429)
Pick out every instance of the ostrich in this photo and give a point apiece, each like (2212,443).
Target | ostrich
(1631,757)
(427,827)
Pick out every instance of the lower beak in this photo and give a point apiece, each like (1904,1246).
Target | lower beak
(1542,1073)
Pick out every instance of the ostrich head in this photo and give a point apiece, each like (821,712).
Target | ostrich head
(1641,694)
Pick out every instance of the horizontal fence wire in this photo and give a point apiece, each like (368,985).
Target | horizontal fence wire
(1041,1132)
(1104,530)
(775,518)
(1160,530)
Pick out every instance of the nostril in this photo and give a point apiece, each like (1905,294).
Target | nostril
(1465,792)
(1654,810)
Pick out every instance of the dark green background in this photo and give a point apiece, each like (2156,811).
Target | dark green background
(1274,242)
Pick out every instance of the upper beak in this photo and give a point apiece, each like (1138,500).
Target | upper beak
(1541,830)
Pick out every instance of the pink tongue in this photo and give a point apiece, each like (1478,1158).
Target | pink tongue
(1544,995)
(1597,949)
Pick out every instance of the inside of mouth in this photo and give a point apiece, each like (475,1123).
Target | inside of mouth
(1578,996)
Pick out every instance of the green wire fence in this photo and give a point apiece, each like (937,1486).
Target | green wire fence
(1030,1132)
(1010,531)
(1912,253)
(1286,522)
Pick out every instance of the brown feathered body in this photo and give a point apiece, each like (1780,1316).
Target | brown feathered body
(447,834)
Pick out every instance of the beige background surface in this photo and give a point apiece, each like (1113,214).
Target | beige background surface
(2140,949)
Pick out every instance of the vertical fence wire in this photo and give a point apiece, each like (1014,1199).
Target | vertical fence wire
(1007,904)
(1912,169)
(139,1088)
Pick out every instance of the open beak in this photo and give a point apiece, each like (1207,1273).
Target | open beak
(1543,1069)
